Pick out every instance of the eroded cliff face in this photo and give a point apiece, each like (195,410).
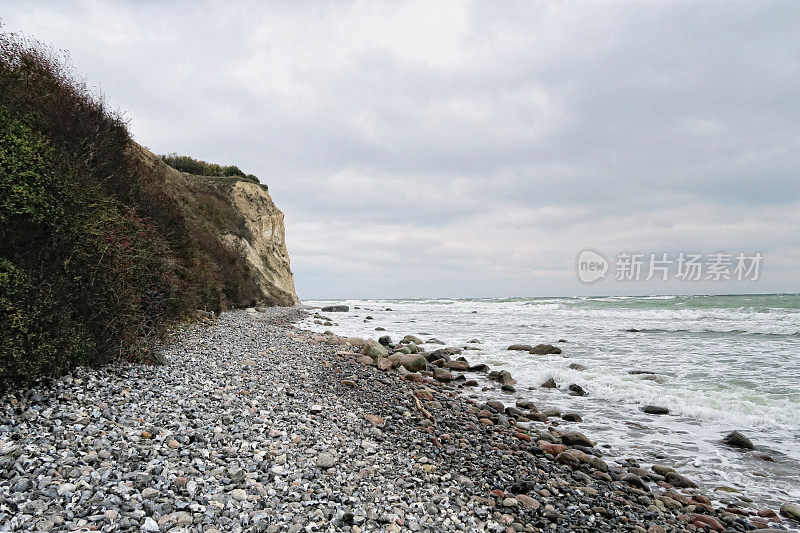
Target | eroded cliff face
(245,221)
(263,245)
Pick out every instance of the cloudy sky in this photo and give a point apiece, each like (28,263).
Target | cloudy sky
(472,148)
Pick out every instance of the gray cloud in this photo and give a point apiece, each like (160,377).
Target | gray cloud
(471,148)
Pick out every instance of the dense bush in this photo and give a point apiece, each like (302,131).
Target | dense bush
(96,254)
(187,164)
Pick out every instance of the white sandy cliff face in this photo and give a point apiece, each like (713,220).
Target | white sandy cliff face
(265,250)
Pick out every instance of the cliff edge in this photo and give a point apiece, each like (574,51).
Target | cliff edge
(247,223)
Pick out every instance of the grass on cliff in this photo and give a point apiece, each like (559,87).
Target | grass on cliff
(96,255)
(187,164)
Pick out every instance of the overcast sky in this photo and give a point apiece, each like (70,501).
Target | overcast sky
(472,148)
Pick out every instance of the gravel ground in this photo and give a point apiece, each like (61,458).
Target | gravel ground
(254,425)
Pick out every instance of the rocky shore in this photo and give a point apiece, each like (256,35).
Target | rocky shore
(254,425)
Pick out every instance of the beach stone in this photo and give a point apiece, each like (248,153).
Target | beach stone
(375,350)
(662,470)
(791,510)
(520,347)
(335,309)
(708,521)
(325,461)
(440,374)
(411,339)
(573,438)
(480,367)
(655,410)
(385,340)
(576,390)
(414,362)
(239,495)
(577,366)
(550,384)
(677,480)
(572,417)
(634,480)
(527,502)
(545,349)
(737,440)
(568,459)
(150,525)
(457,365)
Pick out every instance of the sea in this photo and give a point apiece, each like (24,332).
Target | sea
(718,363)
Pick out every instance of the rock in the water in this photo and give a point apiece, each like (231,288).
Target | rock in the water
(737,440)
(545,349)
(577,366)
(576,390)
(655,410)
(335,309)
(520,347)
(550,384)
(503,377)
(572,417)
(411,338)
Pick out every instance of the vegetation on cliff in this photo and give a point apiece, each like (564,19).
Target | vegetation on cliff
(97,251)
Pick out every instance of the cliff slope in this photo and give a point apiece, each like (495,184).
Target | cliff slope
(242,215)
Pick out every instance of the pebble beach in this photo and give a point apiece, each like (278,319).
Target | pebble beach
(251,424)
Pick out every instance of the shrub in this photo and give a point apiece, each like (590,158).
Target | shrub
(97,254)
(187,164)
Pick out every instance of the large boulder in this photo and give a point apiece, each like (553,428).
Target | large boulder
(545,349)
(335,309)
(445,352)
(503,377)
(414,362)
(411,338)
(386,340)
(375,350)
(573,438)
(457,365)
(440,374)
(737,440)
(520,347)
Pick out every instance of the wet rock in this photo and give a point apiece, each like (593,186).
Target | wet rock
(572,438)
(635,481)
(440,374)
(375,350)
(385,340)
(335,309)
(550,384)
(411,339)
(520,347)
(545,349)
(677,480)
(572,417)
(791,510)
(707,521)
(414,362)
(655,410)
(577,366)
(576,390)
(737,440)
